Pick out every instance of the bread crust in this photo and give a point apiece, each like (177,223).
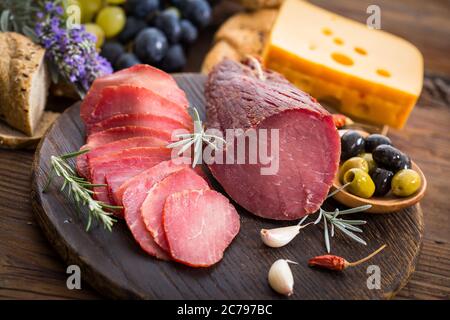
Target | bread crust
(21,61)
(241,35)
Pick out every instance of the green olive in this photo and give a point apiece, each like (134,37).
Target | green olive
(368,157)
(355,162)
(405,182)
(361,184)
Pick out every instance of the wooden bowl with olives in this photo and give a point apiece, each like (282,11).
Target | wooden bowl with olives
(375,172)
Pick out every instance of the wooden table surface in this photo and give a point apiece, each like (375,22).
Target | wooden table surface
(30,269)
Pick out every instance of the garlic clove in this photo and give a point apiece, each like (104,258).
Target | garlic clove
(280,277)
(279,237)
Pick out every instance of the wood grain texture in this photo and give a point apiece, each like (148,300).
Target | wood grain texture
(114,265)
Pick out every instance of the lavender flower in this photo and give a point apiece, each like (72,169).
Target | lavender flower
(71,50)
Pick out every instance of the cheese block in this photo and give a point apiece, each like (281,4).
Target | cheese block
(369,74)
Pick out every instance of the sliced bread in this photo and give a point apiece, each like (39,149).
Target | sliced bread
(24,82)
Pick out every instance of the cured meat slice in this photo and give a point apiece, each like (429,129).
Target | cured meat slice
(152,208)
(179,163)
(143,76)
(133,193)
(116,179)
(119,133)
(134,100)
(199,226)
(112,147)
(139,120)
(305,154)
(127,167)
(162,153)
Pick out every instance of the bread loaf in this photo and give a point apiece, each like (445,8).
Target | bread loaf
(241,35)
(24,82)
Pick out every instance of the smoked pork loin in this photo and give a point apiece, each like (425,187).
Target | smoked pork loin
(243,96)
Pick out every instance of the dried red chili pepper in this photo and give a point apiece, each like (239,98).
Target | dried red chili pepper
(337,263)
(340,120)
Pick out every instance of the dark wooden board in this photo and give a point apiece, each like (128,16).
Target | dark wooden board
(113,263)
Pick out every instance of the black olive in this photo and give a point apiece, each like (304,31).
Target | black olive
(388,157)
(352,144)
(374,140)
(382,179)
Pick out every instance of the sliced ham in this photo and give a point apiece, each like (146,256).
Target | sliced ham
(134,100)
(306,154)
(112,147)
(143,76)
(152,208)
(126,167)
(199,225)
(115,134)
(140,120)
(133,193)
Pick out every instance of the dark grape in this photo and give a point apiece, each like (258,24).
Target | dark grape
(151,45)
(168,21)
(112,50)
(142,8)
(174,59)
(178,3)
(198,11)
(189,32)
(126,60)
(131,29)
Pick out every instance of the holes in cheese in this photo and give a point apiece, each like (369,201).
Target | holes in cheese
(383,73)
(338,41)
(327,31)
(375,75)
(361,51)
(342,59)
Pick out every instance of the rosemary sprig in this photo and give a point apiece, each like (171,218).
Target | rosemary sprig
(347,227)
(80,190)
(196,139)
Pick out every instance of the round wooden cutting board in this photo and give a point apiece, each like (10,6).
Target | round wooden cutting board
(113,263)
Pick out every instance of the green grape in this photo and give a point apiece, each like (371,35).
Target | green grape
(97,32)
(88,9)
(112,20)
(116,1)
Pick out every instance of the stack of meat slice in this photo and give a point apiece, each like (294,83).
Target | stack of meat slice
(173,214)
(130,117)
